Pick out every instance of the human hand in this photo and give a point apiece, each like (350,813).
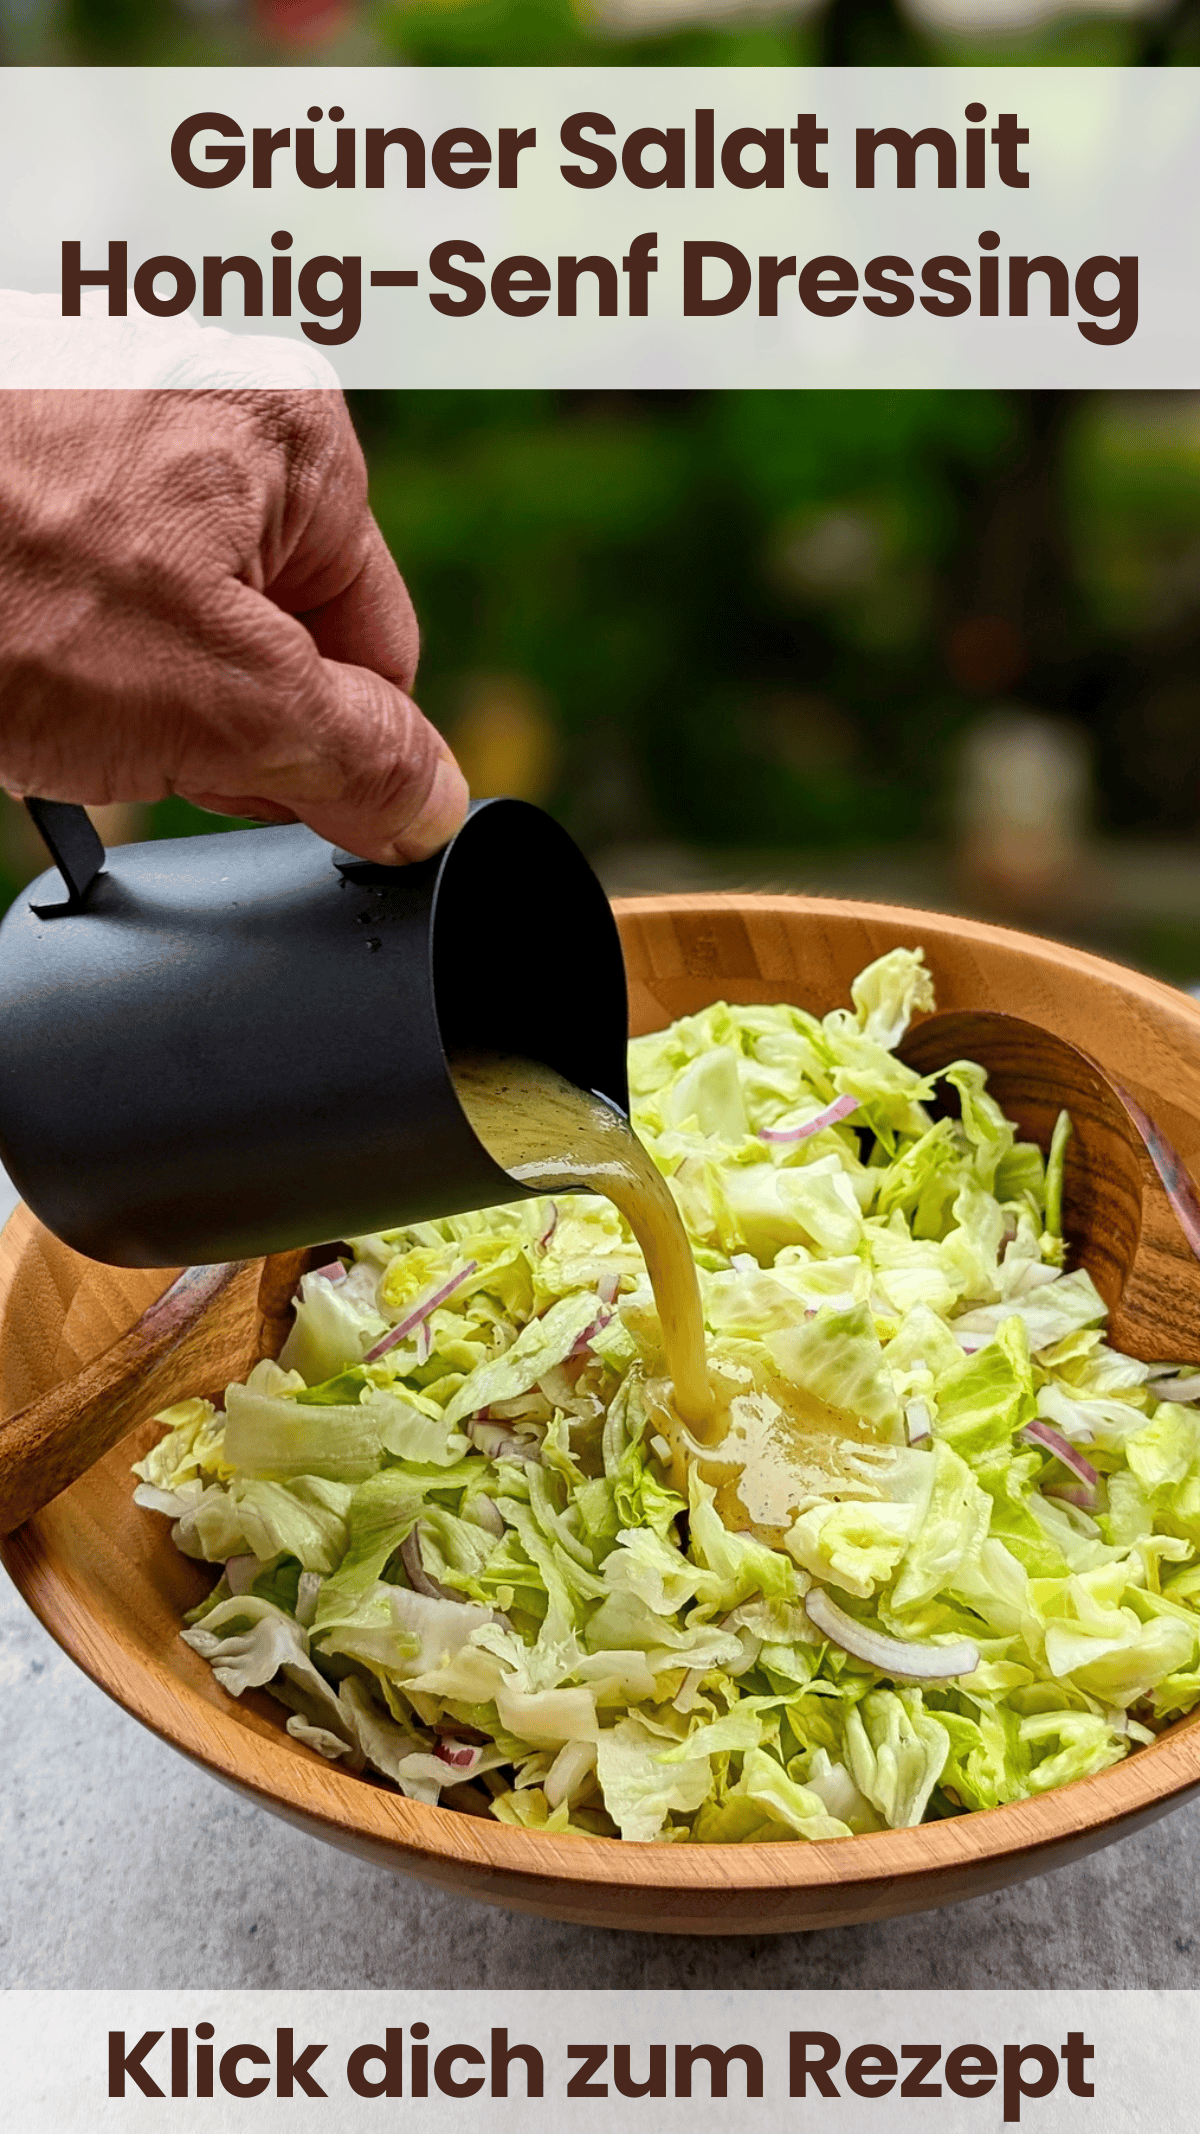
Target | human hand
(195,599)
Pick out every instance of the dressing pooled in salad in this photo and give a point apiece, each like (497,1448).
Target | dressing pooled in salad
(910,1540)
(550,1134)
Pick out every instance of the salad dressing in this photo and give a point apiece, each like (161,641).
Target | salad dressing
(556,1138)
(768,1446)
(774,1449)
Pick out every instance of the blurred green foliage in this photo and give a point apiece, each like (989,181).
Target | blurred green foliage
(574,33)
(757,618)
(765,619)
(746,610)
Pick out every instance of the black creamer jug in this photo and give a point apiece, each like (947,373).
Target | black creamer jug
(220,1046)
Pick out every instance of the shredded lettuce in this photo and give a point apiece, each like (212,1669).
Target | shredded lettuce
(473,1563)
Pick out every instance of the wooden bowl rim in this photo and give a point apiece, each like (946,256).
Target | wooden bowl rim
(299,1784)
(1036,947)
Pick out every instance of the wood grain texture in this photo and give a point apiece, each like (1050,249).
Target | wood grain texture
(1117,1219)
(66,1328)
(109,1585)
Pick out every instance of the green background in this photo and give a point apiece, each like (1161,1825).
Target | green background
(758,625)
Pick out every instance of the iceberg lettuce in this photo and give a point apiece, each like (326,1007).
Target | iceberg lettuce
(469,1547)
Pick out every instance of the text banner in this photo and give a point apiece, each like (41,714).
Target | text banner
(618,227)
(512,2063)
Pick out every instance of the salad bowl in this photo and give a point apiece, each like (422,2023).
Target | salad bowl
(107,1582)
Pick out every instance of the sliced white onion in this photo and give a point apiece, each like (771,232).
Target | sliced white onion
(496,1442)
(917,1421)
(892,1656)
(1077,1494)
(840,1108)
(1183,1388)
(419,1313)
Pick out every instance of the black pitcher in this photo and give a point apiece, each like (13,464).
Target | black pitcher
(216,1047)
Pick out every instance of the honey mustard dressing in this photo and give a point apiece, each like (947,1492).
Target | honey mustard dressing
(769,1447)
(554,1137)
(772,1448)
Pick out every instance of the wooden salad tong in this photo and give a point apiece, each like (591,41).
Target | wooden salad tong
(208,1326)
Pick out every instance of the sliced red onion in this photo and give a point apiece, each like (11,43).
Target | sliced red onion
(892,1656)
(1183,1388)
(917,1421)
(490,1438)
(241,1572)
(306,1597)
(551,1225)
(496,1442)
(607,1287)
(1074,1493)
(490,1516)
(840,1108)
(460,1755)
(424,1342)
(420,1312)
(1063,1450)
(418,1576)
(589,1333)
(334,1272)
(970,1344)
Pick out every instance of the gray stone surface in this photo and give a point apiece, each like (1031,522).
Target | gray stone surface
(121,1865)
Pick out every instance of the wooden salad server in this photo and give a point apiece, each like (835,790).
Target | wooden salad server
(208,1326)
(1130,1212)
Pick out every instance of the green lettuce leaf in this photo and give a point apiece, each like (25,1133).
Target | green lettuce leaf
(499,1529)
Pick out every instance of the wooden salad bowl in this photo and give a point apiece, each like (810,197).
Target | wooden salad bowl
(84,1364)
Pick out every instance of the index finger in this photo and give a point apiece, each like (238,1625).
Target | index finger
(369,622)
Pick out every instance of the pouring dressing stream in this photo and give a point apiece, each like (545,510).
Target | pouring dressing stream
(556,1138)
(768,1446)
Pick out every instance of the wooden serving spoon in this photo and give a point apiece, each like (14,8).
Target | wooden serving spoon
(1137,1235)
(1130,1212)
(208,1326)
